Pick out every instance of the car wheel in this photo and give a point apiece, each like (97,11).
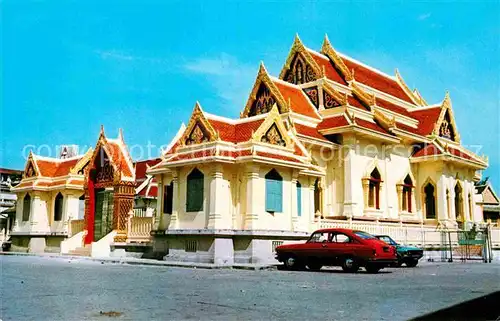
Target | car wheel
(370,268)
(314,266)
(411,263)
(291,263)
(350,265)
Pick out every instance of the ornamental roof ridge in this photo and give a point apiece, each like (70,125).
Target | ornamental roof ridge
(419,108)
(232,121)
(273,78)
(55,159)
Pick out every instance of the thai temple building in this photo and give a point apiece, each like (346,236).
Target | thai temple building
(331,142)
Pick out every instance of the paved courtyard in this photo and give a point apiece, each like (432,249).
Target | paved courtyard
(34,288)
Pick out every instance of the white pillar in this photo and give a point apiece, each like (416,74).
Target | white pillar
(159,204)
(294,215)
(39,216)
(174,219)
(350,203)
(441,209)
(252,197)
(218,216)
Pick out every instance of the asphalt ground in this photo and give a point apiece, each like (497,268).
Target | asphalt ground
(38,288)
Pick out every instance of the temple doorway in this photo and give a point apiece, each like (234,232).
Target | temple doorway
(103,219)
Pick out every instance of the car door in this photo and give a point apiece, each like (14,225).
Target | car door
(317,246)
(340,245)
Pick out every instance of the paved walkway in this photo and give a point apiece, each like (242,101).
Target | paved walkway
(137,261)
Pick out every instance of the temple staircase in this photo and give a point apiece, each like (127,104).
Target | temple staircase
(81,251)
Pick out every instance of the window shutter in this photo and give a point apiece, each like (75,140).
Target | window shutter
(279,196)
(269,196)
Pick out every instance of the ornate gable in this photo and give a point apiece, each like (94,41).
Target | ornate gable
(272,131)
(264,95)
(445,126)
(300,67)
(332,98)
(198,129)
(30,169)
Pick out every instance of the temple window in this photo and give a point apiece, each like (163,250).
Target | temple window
(405,192)
(58,207)
(26,207)
(194,191)
(459,211)
(274,192)
(374,189)
(168,198)
(299,199)
(430,201)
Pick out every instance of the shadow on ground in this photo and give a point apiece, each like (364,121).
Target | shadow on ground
(483,308)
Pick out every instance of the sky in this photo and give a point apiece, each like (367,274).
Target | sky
(68,67)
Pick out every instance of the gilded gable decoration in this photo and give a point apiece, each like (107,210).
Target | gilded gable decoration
(263,102)
(366,99)
(445,126)
(273,131)
(300,67)
(30,170)
(329,101)
(273,136)
(313,95)
(198,130)
(327,50)
(263,79)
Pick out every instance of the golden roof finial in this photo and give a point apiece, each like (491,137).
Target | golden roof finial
(101,132)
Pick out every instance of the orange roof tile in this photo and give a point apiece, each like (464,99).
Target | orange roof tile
(428,150)
(235,133)
(376,80)
(427,119)
(333,122)
(300,104)
(118,158)
(141,167)
(309,131)
(373,126)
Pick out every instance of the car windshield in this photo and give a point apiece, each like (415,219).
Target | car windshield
(364,235)
(387,240)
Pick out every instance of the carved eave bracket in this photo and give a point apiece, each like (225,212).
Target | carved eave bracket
(264,78)
(387,123)
(298,48)
(368,100)
(328,50)
(273,131)
(198,130)
(338,96)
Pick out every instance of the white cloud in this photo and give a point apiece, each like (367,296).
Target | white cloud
(424,16)
(231,78)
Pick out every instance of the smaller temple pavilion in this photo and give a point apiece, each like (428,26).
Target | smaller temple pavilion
(80,204)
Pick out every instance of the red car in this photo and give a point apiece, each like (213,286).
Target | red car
(349,249)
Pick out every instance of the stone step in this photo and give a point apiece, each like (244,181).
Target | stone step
(81,251)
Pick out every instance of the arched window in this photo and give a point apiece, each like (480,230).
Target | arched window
(459,210)
(299,199)
(406,197)
(194,193)
(374,190)
(317,196)
(26,207)
(274,192)
(430,201)
(58,207)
